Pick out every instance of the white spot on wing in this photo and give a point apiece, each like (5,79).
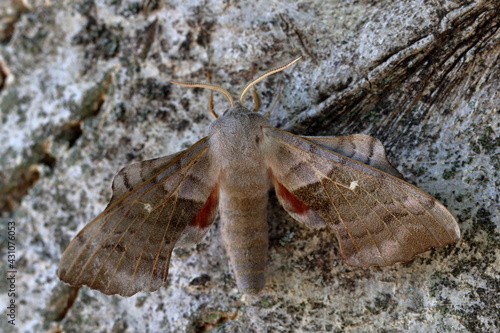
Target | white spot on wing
(148,207)
(353,185)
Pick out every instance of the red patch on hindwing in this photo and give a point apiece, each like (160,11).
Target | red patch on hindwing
(205,216)
(292,203)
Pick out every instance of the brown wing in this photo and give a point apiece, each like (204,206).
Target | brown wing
(378,219)
(359,147)
(155,205)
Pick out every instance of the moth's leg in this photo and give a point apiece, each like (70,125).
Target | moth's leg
(256,99)
(275,101)
(255,94)
(257,80)
(211,98)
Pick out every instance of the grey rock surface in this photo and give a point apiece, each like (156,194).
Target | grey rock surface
(84,91)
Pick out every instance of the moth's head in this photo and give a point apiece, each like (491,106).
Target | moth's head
(236,106)
(238,120)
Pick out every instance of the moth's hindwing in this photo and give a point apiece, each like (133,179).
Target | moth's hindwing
(359,147)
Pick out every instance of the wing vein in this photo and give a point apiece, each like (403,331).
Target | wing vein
(338,214)
(418,220)
(362,220)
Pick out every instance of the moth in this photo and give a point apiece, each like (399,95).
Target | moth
(344,183)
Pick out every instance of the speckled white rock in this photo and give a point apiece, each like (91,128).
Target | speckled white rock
(419,75)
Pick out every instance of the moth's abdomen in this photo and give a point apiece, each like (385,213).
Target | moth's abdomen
(244,230)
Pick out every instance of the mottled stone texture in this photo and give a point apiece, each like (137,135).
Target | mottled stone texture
(84,90)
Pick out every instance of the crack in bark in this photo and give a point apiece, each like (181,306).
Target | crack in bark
(434,58)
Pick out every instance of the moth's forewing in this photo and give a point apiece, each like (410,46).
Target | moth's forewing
(127,248)
(377,218)
(359,147)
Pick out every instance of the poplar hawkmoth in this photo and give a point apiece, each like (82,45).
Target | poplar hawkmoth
(345,183)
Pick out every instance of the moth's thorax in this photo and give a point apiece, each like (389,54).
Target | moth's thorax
(238,128)
(236,140)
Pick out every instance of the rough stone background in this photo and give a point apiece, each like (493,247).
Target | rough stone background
(84,90)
